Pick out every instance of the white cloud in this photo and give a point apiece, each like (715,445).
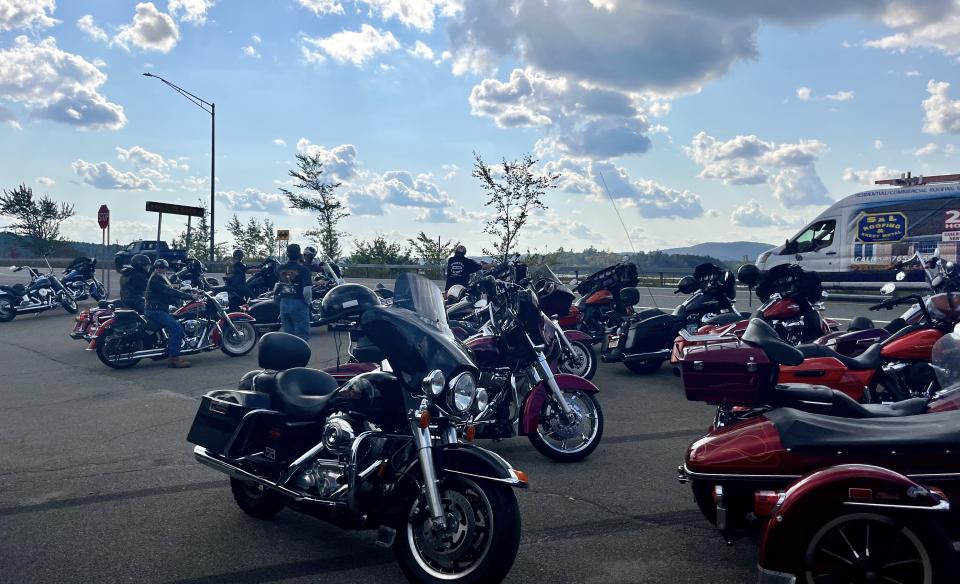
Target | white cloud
(803,93)
(927,150)
(841,96)
(422,50)
(254,200)
(151,30)
(868,177)
(279,142)
(7,117)
(192,11)
(103,176)
(941,114)
(256,39)
(400,189)
(339,162)
(46,181)
(142,157)
(450,171)
(748,160)
(57,85)
(878,144)
(354,47)
(753,215)
(250,51)
(319,7)
(912,73)
(85,23)
(651,199)
(941,32)
(34,14)
(419,14)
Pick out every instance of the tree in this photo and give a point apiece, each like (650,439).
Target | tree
(200,239)
(256,239)
(544,258)
(379,251)
(514,191)
(329,208)
(432,251)
(37,220)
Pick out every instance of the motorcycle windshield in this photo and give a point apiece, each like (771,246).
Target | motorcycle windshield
(946,360)
(413,333)
(542,273)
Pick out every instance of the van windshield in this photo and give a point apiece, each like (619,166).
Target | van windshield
(816,237)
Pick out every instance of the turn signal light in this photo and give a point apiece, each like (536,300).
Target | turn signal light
(424,419)
(471,433)
(765,502)
(521,476)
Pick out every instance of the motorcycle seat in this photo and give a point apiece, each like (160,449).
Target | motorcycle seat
(648,313)
(809,432)
(869,359)
(17,289)
(763,335)
(303,392)
(726,318)
(824,400)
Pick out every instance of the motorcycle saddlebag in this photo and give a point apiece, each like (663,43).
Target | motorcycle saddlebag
(265,312)
(732,373)
(125,321)
(237,423)
(651,334)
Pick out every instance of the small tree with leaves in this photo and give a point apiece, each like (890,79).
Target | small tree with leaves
(320,198)
(36,219)
(432,251)
(256,239)
(200,239)
(380,251)
(514,191)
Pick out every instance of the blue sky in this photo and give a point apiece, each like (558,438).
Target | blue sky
(720,120)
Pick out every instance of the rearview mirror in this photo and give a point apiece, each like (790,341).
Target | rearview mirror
(901,276)
(888,288)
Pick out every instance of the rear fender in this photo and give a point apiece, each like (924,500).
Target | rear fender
(575,335)
(819,497)
(478,463)
(101,331)
(533,404)
(235,316)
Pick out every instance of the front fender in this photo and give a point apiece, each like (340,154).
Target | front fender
(576,335)
(815,499)
(533,403)
(472,461)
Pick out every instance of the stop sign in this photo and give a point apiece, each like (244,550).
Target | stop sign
(103,217)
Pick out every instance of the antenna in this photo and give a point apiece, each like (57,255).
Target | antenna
(617,211)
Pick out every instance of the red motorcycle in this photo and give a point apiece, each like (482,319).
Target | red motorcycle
(601,305)
(836,499)
(128,337)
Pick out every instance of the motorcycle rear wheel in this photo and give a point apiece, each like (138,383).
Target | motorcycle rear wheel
(583,363)
(7,310)
(235,346)
(108,346)
(255,500)
(486,510)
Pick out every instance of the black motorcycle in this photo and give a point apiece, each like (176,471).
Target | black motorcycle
(602,303)
(381,452)
(45,292)
(80,278)
(644,340)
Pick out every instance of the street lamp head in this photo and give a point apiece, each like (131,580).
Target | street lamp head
(149,75)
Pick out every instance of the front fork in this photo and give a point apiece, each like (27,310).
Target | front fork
(541,372)
(424,445)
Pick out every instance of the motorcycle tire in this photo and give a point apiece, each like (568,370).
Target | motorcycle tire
(70,305)
(8,311)
(255,500)
(924,538)
(492,502)
(585,370)
(644,367)
(249,332)
(103,345)
(576,455)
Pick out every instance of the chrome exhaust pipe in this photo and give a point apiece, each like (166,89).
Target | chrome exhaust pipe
(204,457)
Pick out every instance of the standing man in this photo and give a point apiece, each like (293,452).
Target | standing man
(160,295)
(133,282)
(460,267)
(236,281)
(294,290)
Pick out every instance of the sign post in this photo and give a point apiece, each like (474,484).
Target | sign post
(173,209)
(103,219)
(283,236)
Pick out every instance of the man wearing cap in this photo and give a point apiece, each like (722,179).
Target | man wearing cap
(460,267)
(294,291)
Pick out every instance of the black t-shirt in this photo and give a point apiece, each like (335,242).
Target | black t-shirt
(237,275)
(293,278)
(459,270)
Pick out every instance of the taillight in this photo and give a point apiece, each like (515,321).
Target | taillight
(766,502)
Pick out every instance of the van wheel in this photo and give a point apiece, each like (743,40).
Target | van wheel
(644,367)
(255,500)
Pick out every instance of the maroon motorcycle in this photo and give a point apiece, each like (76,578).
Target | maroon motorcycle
(860,497)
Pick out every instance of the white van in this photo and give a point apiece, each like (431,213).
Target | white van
(861,237)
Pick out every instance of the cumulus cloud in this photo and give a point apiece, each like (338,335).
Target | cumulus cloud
(142,158)
(651,199)
(339,162)
(151,30)
(46,181)
(192,11)
(250,51)
(753,215)
(34,14)
(840,96)
(868,177)
(353,47)
(422,50)
(254,200)
(748,160)
(936,29)
(320,7)
(941,115)
(927,150)
(803,93)
(101,175)
(399,188)
(87,26)
(279,142)
(56,85)
(878,144)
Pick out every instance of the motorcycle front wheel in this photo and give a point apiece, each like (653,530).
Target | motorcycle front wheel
(236,344)
(569,441)
(582,362)
(479,544)
(7,311)
(69,304)
(112,348)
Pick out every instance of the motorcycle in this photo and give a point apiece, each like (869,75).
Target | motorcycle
(643,341)
(381,452)
(80,278)
(266,309)
(837,499)
(45,292)
(601,304)
(128,337)
(558,413)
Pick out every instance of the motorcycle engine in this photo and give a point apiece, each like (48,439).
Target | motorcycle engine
(338,434)
(191,332)
(324,477)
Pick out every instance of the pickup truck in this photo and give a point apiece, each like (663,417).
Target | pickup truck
(156,250)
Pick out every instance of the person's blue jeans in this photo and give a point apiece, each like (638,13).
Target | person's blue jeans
(295,317)
(173,328)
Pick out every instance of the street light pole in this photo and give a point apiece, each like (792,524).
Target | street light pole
(211,109)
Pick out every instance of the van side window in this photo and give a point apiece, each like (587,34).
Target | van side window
(816,237)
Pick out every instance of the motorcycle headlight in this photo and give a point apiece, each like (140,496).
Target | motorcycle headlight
(433,383)
(463,391)
(483,399)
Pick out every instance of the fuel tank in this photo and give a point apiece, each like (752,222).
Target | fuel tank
(782,309)
(600,297)
(915,345)
(486,350)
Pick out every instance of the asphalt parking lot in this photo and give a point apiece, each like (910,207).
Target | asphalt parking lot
(98,484)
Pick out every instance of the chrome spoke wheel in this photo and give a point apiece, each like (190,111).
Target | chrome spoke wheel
(573,434)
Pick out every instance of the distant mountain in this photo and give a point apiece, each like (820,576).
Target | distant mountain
(733,251)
